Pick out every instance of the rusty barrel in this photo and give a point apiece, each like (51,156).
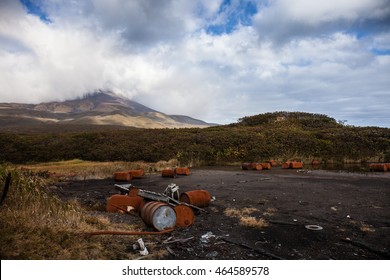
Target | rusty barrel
(273,163)
(286,165)
(122,176)
(249,165)
(184,216)
(124,203)
(266,165)
(137,173)
(133,191)
(378,167)
(199,198)
(259,166)
(296,165)
(182,171)
(168,173)
(158,215)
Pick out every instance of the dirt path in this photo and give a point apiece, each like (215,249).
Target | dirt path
(351,211)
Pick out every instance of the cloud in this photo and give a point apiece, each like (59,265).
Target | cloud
(272,58)
(284,20)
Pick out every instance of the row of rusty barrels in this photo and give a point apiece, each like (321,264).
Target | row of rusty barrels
(379,167)
(172,173)
(268,165)
(127,176)
(157,214)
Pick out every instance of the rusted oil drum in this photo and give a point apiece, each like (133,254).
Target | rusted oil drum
(168,173)
(133,191)
(249,165)
(286,165)
(182,171)
(378,167)
(266,165)
(158,215)
(296,165)
(259,166)
(273,163)
(123,203)
(122,176)
(199,198)
(184,216)
(137,173)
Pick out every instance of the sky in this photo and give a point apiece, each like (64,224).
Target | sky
(215,60)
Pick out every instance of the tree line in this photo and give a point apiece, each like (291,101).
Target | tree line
(279,135)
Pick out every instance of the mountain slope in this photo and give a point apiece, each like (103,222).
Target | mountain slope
(99,108)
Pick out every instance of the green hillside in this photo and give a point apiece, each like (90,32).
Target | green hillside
(278,135)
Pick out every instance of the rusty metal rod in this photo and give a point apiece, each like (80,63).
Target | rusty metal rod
(107,232)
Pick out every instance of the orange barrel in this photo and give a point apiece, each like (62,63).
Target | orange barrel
(158,215)
(137,173)
(296,165)
(378,167)
(199,198)
(184,216)
(182,171)
(249,165)
(133,191)
(388,166)
(266,165)
(259,166)
(286,165)
(168,173)
(273,163)
(122,176)
(252,166)
(122,203)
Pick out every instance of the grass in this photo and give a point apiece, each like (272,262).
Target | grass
(245,219)
(81,170)
(36,225)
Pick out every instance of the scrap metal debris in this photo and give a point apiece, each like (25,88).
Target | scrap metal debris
(314,227)
(153,207)
(140,247)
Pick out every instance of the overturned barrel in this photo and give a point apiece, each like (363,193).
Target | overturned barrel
(378,167)
(259,166)
(158,215)
(266,165)
(199,198)
(296,165)
(124,203)
(184,215)
(133,191)
(273,163)
(122,176)
(137,173)
(182,171)
(168,173)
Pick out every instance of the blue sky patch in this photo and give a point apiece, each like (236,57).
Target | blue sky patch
(34,8)
(240,14)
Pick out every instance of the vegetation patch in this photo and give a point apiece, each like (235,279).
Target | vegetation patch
(36,225)
(244,217)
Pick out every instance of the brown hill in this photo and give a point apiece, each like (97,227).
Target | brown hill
(96,109)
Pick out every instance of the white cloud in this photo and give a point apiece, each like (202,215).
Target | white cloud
(286,19)
(162,57)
